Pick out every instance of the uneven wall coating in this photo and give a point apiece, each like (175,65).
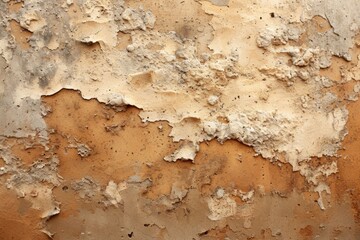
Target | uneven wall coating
(219,119)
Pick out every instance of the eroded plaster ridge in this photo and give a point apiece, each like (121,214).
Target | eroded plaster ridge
(261,79)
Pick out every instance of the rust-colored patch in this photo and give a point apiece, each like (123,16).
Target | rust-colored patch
(28,154)
(115,155)
(321,24)
(306,232)
(123,40)
(348,178)
(122,146)
(17,219)
(14,6)
(134,148)
(20,34)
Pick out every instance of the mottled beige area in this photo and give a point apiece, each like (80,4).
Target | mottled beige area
(180,119)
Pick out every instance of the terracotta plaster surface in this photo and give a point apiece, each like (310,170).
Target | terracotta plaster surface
(218,119)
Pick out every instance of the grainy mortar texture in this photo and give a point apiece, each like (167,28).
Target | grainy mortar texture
(179,119)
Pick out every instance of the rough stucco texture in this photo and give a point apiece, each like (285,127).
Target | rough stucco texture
(170,119)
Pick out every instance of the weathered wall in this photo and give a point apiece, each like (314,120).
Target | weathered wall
(220,119)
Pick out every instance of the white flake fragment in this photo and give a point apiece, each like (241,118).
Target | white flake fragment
(178,192)
(212,100)
(221,207)
(186,151)
(246,196)
(83,150)
(322,187)
(113,192)
(220,192)
(32,21)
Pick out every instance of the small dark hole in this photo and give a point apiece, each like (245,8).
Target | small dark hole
(65,188)
(272,15)
(130,234)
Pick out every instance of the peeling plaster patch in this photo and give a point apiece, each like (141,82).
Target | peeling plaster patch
(187,151)
(87,188)
(320,189)
(259,79)
(34,184)
(5,51)
(112,193)
(178,193)
(344,22)
(148,50)
(245,196)
(92,32)
(155,58)
(313,175)
(136,19)
(32,21)
(83,150)
(278,35)
(218,74)
(221,207)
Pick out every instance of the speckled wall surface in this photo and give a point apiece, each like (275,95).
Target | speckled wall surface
(220,119)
